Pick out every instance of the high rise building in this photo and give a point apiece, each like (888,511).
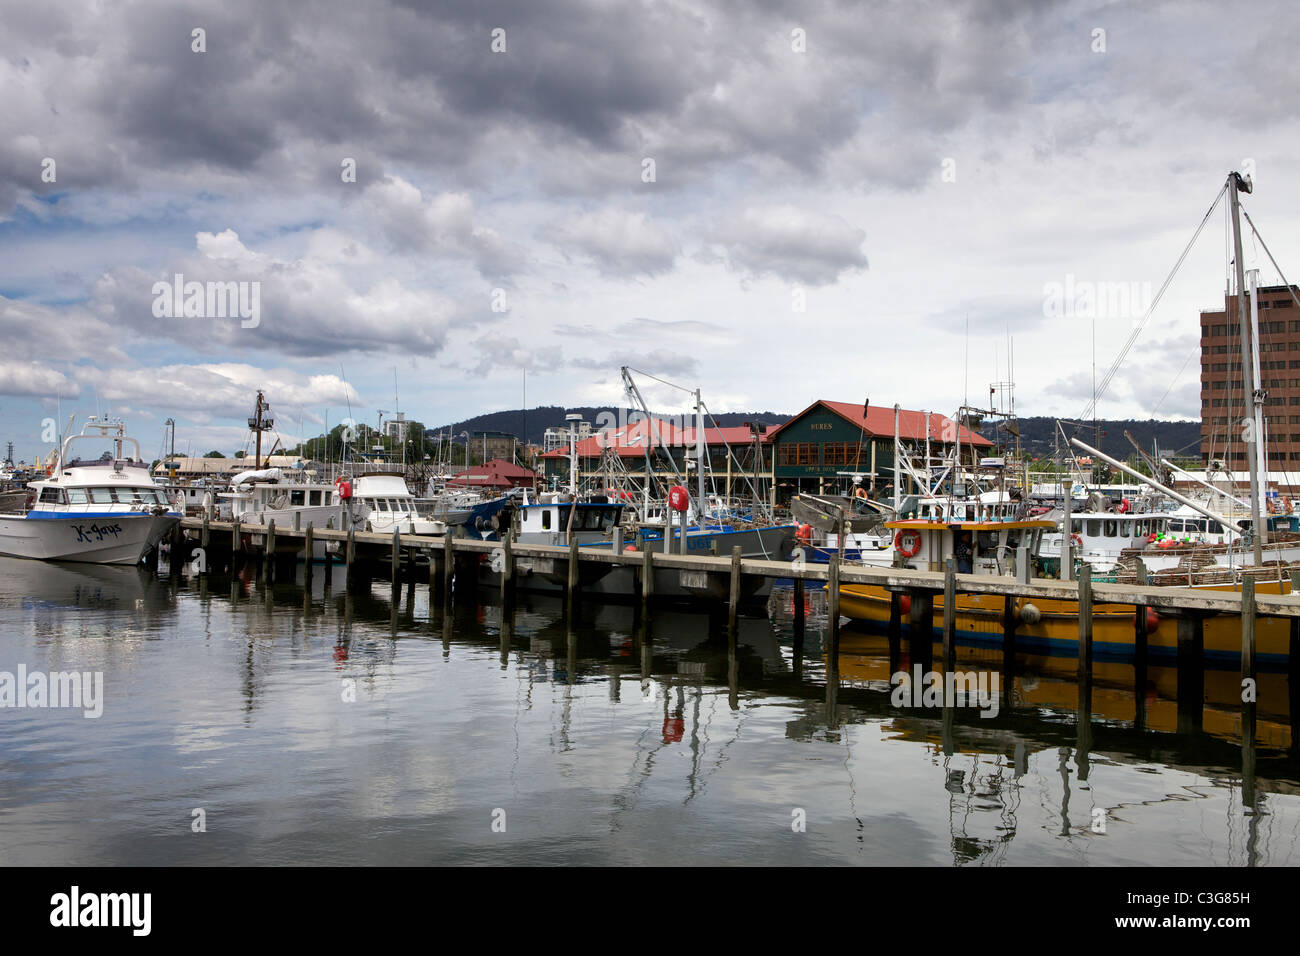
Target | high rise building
(1224,403)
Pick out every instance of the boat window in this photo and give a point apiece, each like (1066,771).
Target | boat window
(1140,527)
(101,496)
(1216,528)
(382,503)
(1176,525)
(77,496)
(298,497)
(313,497)
(546,519)
(51,496)
(1199,523)
(1013,539)
(1126,529)
(1112,528)
(1076,526)
(988,540)
(1094,527)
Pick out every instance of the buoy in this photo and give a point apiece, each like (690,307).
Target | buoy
(345,490)
(679,499)
(1153,620)
(905,603)
(1029,614)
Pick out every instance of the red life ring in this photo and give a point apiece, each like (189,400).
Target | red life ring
(1076,540)
(913,545)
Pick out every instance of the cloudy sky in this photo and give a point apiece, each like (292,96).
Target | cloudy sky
(484,203)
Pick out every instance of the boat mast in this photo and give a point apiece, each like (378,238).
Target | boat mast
(699,455)
(1249,360)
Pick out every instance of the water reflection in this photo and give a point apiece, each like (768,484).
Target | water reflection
(328,724)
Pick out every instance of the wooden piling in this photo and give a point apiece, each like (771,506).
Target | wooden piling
(395,567)
(1191,673)
(507,569)
(647,581)
(268,549)
(733,603)
(833,602)
(203,535)
(448,565)
(618,540)
(308,550)
(234,538)
(1247,629)
(799,598)
(949,615)
(571,585)
(351,554)
(1085,622)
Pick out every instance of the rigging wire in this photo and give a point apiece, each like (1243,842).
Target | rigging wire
(1091,407)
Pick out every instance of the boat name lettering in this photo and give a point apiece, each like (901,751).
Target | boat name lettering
(97,532)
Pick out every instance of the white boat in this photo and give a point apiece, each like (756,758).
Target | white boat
(260,497)
(383,503)
(105,510)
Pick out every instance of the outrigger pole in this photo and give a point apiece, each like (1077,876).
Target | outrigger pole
(1146,479)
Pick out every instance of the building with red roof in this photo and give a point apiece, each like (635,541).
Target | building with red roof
(497,474)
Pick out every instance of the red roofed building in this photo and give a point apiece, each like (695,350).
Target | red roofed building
(498,474)
(819,449)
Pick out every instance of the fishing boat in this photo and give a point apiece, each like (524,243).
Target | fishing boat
(1047,626)
(382,502)
(105,510)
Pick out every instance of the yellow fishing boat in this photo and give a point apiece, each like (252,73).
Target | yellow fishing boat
(1047,626)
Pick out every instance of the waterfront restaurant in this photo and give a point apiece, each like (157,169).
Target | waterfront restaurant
(821,449)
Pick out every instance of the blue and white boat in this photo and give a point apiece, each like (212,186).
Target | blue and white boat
(104,510)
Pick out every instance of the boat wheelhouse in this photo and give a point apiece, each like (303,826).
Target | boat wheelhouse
(382,502)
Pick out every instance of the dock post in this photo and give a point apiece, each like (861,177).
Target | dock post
(204,539)
(833,602)
(800,626)
(234,541)
(308,550)
(895,623)
(618,540)
(507,570)
(571,586)
(395,568)
(448,565)
(351,554)
(433,579)
(647,581)
(949,615)
(1248,609)
(733,602)
(1085,622)
(1140,639)
(268,550)
(800,591)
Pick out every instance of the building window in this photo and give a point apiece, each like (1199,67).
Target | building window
(841,453)
(801,453)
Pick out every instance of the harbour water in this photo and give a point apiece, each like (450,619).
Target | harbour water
(247,724)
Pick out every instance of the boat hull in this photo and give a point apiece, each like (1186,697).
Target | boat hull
(979,621)
(98,539)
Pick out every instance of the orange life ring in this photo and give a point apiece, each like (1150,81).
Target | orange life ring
(860,493)
(1076,540)
(905,534)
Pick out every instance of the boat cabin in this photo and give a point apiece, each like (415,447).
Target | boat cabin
(978,547)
